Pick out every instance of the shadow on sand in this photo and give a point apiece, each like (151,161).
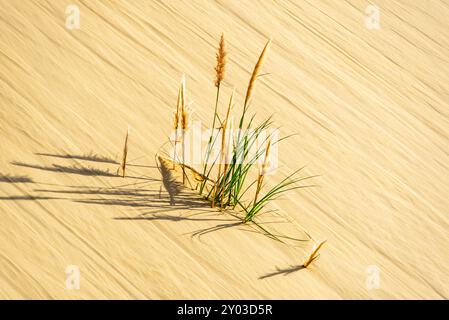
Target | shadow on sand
(14,178)
(88,157)
(85,171)
(27,197)
(284,272)
(93,157)
(155,202)
(171,195)
(166,217)
(75,169)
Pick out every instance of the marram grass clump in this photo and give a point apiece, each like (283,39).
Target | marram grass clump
(226,179)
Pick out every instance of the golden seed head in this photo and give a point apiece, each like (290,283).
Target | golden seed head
(125,154)
(183,93)
(185,112)
(175,120)
(186,118)
(221,62)
(178,103)
(255,74)
(267,151)
(177,113)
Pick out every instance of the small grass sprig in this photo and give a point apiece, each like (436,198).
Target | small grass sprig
(185,123)
(314,254)
(124,156)
(176,122)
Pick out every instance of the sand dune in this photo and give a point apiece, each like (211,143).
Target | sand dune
(371,109)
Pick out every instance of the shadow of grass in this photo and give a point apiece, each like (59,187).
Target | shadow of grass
(28,197)
(15,179)
(85,171)
(93,157)
(88,157)
(76,169)
(202,232)
(130,197)
(101,191)
(170,183)
(284,272)
(176,197)
(166,217)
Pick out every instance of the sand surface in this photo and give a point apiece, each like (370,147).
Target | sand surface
(371,113)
